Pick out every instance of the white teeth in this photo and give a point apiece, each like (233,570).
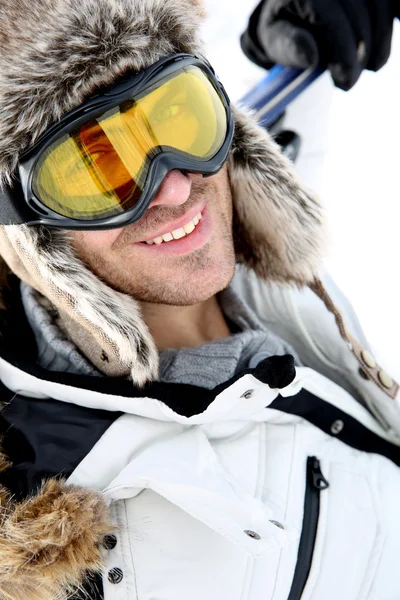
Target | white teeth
(177,234)
(189,227)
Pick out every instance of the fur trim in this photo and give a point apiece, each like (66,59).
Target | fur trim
(4,495)
(279,226)
(49,541)
(4,462)
(114,319)
(61,51)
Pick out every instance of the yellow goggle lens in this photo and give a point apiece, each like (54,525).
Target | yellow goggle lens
(100,170)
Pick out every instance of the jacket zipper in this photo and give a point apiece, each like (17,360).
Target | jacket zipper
(315,482)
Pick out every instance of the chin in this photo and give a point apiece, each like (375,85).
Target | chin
(201,294)
(194,288)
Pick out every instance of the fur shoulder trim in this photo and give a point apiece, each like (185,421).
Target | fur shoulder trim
(49,541)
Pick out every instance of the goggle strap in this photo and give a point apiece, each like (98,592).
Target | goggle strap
(11,205)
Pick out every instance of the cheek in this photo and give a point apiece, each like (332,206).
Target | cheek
(95,241)
(224,191)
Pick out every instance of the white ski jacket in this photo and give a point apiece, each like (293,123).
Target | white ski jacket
(250,491)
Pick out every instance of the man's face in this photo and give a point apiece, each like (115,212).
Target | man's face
(180,272)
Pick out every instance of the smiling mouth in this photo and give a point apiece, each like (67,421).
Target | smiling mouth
(177,234)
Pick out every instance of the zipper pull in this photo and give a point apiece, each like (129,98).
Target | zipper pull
(318,480)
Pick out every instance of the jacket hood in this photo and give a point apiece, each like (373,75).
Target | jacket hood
(53,59)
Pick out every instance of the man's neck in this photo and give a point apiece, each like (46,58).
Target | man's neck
(185,326)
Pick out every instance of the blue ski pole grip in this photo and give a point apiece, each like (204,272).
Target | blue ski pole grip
(277,90)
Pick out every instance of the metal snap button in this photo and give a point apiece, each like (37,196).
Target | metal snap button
(368,359)
(361,51)
(363,373)
(115,575)
(337,427)
(277,524)
(109,542)
(385,379)
(252,534)
(247,394)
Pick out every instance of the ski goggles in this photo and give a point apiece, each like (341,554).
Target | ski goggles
(102,164)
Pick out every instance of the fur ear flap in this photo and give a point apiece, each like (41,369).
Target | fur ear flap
(279,226)
(45,259)
(200,7)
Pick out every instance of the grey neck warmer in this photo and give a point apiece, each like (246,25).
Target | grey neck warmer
(207,365)
(213,363)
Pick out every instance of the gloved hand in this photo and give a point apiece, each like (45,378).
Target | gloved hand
(346,36)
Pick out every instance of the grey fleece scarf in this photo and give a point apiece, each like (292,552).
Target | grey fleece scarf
(207,365)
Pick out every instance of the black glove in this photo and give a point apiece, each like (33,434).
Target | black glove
(346,36)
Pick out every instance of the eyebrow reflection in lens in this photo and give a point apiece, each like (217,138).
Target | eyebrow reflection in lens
(104,164)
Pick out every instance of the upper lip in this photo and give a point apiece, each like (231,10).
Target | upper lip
(172,225)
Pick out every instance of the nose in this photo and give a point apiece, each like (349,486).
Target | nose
(175,189)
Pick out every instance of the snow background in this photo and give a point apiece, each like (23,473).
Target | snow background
(351,158)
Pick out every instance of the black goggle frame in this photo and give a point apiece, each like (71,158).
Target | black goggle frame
(20,205)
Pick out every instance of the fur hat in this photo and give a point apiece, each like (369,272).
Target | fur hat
(53,55)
